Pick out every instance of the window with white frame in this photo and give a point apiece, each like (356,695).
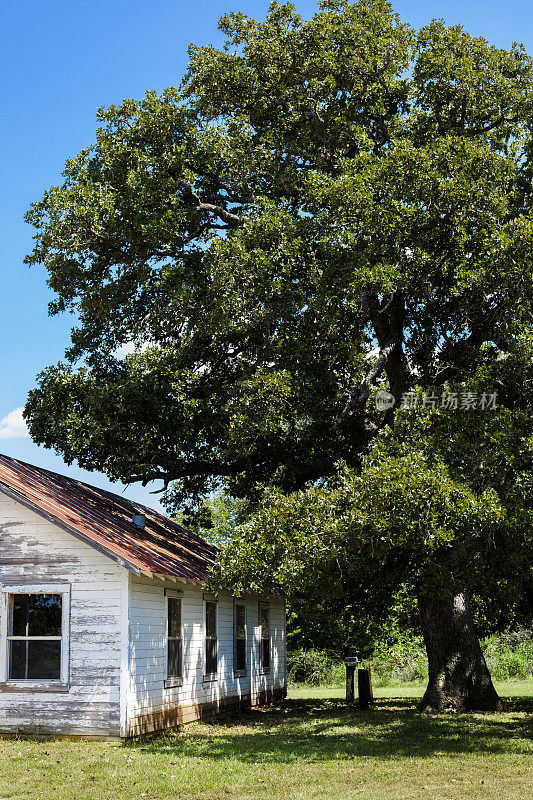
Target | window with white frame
(239,637)
(35,634)
(174,639)
(264,638)
(211,639)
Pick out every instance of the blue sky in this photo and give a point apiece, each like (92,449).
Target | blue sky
(60,62)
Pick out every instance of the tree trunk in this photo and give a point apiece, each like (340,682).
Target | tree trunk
(458,674)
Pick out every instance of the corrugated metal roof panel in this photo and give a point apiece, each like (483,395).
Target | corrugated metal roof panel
(162,547)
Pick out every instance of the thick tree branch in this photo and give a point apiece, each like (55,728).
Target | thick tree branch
(359,399)
(197,467)
(232,220)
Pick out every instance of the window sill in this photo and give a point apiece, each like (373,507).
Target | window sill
(173,683)
(240,673)
(35,688)
(210,678)
(264,672)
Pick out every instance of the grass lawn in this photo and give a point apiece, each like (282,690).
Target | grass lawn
(509,691)
(312,747)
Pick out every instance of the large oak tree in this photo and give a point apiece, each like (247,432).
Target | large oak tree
(320,208)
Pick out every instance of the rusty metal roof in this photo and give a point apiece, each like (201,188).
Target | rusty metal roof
(104,520)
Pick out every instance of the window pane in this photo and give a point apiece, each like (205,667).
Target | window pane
(240,622)
(174,669)
(210,656)
(240,655)
(265,633)
(19,614)
(265,654)
(36,615)
(210,619)
(174,617)
(35,660)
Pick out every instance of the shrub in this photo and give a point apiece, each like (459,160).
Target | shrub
(312,667)
(404,662)
(338,674)
(509,656)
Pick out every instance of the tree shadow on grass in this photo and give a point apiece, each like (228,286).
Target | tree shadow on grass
(314,731)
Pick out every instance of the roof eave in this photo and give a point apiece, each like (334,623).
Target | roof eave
(120,560)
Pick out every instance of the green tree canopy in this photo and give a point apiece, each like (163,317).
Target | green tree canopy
(322,207)
(368,531)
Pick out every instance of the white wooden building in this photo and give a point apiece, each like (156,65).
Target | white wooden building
(105,627)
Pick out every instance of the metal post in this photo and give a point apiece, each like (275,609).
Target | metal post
(351,661)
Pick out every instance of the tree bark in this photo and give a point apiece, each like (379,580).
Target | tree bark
(458,674)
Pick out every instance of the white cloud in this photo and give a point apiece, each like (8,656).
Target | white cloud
(124,350)
(130,347)
(13,425)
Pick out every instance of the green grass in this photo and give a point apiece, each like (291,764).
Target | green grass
(311,747)
(508,690)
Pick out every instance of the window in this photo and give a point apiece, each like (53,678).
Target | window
(34,631)
(34,637)
(211,641)
(174,641)
(239,643)
(264,640)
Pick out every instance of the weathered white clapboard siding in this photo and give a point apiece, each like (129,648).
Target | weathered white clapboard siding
(147,694)
(117,640)
(35,550)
